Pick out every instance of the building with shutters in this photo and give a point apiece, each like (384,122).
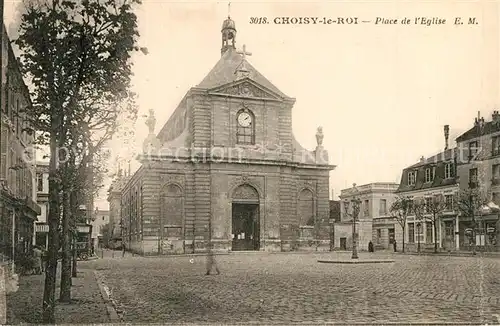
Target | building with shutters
(434,176)
(473,163)
(480,168)
(225,170)
(18,207)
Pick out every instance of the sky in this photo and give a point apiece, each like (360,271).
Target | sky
(381,92)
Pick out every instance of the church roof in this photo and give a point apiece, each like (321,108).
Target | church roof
(224,72)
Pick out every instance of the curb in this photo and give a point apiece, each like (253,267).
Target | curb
(183,255)
(112,314)
(355,261)
(240,253)
(480,255)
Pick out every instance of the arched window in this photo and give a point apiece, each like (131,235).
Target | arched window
(245,131)
(173,205)
(306,207)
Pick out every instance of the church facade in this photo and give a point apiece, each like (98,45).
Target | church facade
(225,171)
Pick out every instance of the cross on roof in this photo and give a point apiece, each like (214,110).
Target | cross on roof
(244,52)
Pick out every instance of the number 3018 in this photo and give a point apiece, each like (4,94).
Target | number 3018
(258,20)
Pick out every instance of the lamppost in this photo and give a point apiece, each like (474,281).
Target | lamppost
(332,234)
(419,231)
(355,202)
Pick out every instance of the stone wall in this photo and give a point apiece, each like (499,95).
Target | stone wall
(207,189)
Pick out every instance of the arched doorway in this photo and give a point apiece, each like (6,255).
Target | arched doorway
(245,218)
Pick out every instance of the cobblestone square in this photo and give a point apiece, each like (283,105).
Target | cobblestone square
(295,288)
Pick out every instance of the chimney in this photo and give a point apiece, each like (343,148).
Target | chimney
(422,159)
(477,120)
(495,116)
(446,135)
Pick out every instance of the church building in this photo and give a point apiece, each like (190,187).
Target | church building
(225,171)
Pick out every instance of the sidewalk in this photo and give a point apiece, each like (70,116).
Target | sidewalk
(454,254)
(87,307)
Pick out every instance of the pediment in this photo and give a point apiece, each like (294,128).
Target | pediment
(245,88)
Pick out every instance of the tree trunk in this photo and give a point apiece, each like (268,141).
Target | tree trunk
(48,316)
(403,250)
(74,212)
(474,230)
(65,294)
(435,237)
(74,271)
(474,240)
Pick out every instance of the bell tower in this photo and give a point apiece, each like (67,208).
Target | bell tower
(228,34)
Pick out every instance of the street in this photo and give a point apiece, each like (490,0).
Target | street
(296,288)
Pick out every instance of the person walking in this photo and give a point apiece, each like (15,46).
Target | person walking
(44,259)
(395,246)
(37,257)
(211,262)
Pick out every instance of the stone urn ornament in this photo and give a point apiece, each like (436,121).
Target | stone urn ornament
(319,136)
(151,143)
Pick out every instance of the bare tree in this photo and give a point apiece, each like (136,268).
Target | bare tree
(400,209)
(431,210)
(468,203)
(419,209)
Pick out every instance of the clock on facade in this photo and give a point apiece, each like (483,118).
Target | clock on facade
(244,119)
